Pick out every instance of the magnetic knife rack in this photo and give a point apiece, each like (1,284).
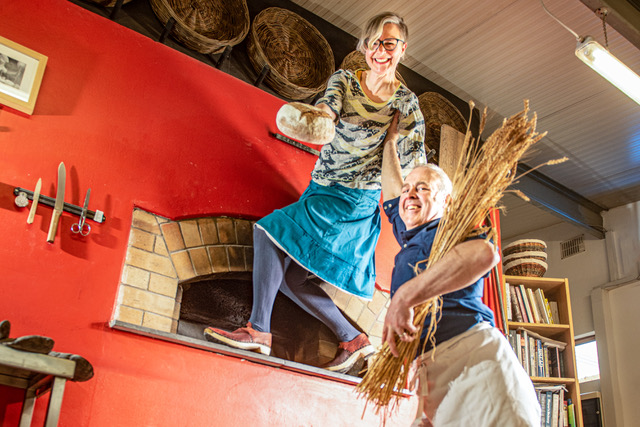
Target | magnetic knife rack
(97,216)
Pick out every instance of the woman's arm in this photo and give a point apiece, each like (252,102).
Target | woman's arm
(391,174)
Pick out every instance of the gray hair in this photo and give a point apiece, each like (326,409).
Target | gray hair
(373,28)
(445,185)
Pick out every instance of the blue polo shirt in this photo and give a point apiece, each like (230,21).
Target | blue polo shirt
(461,309)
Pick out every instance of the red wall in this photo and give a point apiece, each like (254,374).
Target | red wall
(142,125)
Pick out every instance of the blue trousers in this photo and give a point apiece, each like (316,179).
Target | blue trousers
(273,271)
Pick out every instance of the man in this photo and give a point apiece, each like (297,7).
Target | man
(474,377)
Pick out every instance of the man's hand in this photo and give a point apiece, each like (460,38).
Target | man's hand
(398,322)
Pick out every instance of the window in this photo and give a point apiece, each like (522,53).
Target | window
(587,360)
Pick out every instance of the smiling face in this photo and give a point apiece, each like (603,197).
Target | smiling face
(382,61)
(421,199)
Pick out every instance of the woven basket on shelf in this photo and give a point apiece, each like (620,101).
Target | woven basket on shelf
(206,26)
(300,58)
(437,111)
(356,60)
(524,245)
(527,267)
(539,255)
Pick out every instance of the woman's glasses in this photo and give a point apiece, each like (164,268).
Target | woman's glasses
(388,44)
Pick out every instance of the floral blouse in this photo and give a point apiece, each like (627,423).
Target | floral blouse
(354,157)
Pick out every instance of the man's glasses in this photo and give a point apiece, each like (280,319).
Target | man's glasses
(388,44)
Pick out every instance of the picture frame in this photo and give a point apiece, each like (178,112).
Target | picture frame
(21,71)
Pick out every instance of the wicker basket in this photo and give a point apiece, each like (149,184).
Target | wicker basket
(356,61)
(539,255)
(528,267)
(524,246)
(300,58)
(437,111)
(206,26)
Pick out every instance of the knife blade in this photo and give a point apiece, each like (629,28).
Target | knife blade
(57,209)
(34,204)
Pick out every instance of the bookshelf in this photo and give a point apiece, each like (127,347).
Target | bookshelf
(562,332)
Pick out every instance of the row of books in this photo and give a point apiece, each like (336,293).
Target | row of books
(530,306)
(555,411)
(539,356)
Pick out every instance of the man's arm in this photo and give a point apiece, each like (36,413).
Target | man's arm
(391,175)
(463,265)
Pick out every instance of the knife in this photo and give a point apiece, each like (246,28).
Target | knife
(57,209)
(34,204)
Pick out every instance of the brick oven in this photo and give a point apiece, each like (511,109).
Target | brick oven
(181,276)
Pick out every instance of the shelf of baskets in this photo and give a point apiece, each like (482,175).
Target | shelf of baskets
(555,290)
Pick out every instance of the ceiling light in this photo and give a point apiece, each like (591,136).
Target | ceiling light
(601,60)
(608,66)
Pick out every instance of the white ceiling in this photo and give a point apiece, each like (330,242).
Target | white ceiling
(500,52)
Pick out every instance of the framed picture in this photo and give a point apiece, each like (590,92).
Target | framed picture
(21,71)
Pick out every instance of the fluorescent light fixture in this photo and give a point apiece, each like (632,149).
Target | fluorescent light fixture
(608,66)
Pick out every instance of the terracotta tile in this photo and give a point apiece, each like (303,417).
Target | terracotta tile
(244,231)
(200,260)
(182,263)
(147,301)
(208,231)
(236,258)
(149,261)
(376,329)
(190,233)
(160,247)
(341,299)
(354,307)
(378,301)
(219,258)
(129,315)
(135,277)
(366,319)
(173,236)
(142,239)
(159,323)
(145,221)
(163,285)
(226,230)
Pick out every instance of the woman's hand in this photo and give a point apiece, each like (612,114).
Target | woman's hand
(392,132)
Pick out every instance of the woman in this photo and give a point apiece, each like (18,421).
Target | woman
(333,229)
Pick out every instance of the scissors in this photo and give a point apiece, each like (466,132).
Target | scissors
(81,227)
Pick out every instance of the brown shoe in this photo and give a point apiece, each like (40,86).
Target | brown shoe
(351,356)
(245,338)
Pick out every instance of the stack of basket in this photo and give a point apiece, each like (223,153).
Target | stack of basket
(525,258)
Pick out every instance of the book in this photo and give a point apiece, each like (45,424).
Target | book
(571,413)
(515,306)
(541,303)
(534,307)
(553,307)
(533,361)
(565,415)
(548,409)
(508,303)
(540,356)
(518,294)
(525,303)
(555,409)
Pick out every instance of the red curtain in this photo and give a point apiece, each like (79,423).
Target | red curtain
(493,285)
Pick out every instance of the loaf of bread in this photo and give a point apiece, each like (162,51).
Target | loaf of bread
(305,123)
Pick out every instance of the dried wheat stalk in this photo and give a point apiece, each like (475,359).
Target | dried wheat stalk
(482,175)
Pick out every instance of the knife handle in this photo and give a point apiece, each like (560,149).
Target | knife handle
(53,226)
